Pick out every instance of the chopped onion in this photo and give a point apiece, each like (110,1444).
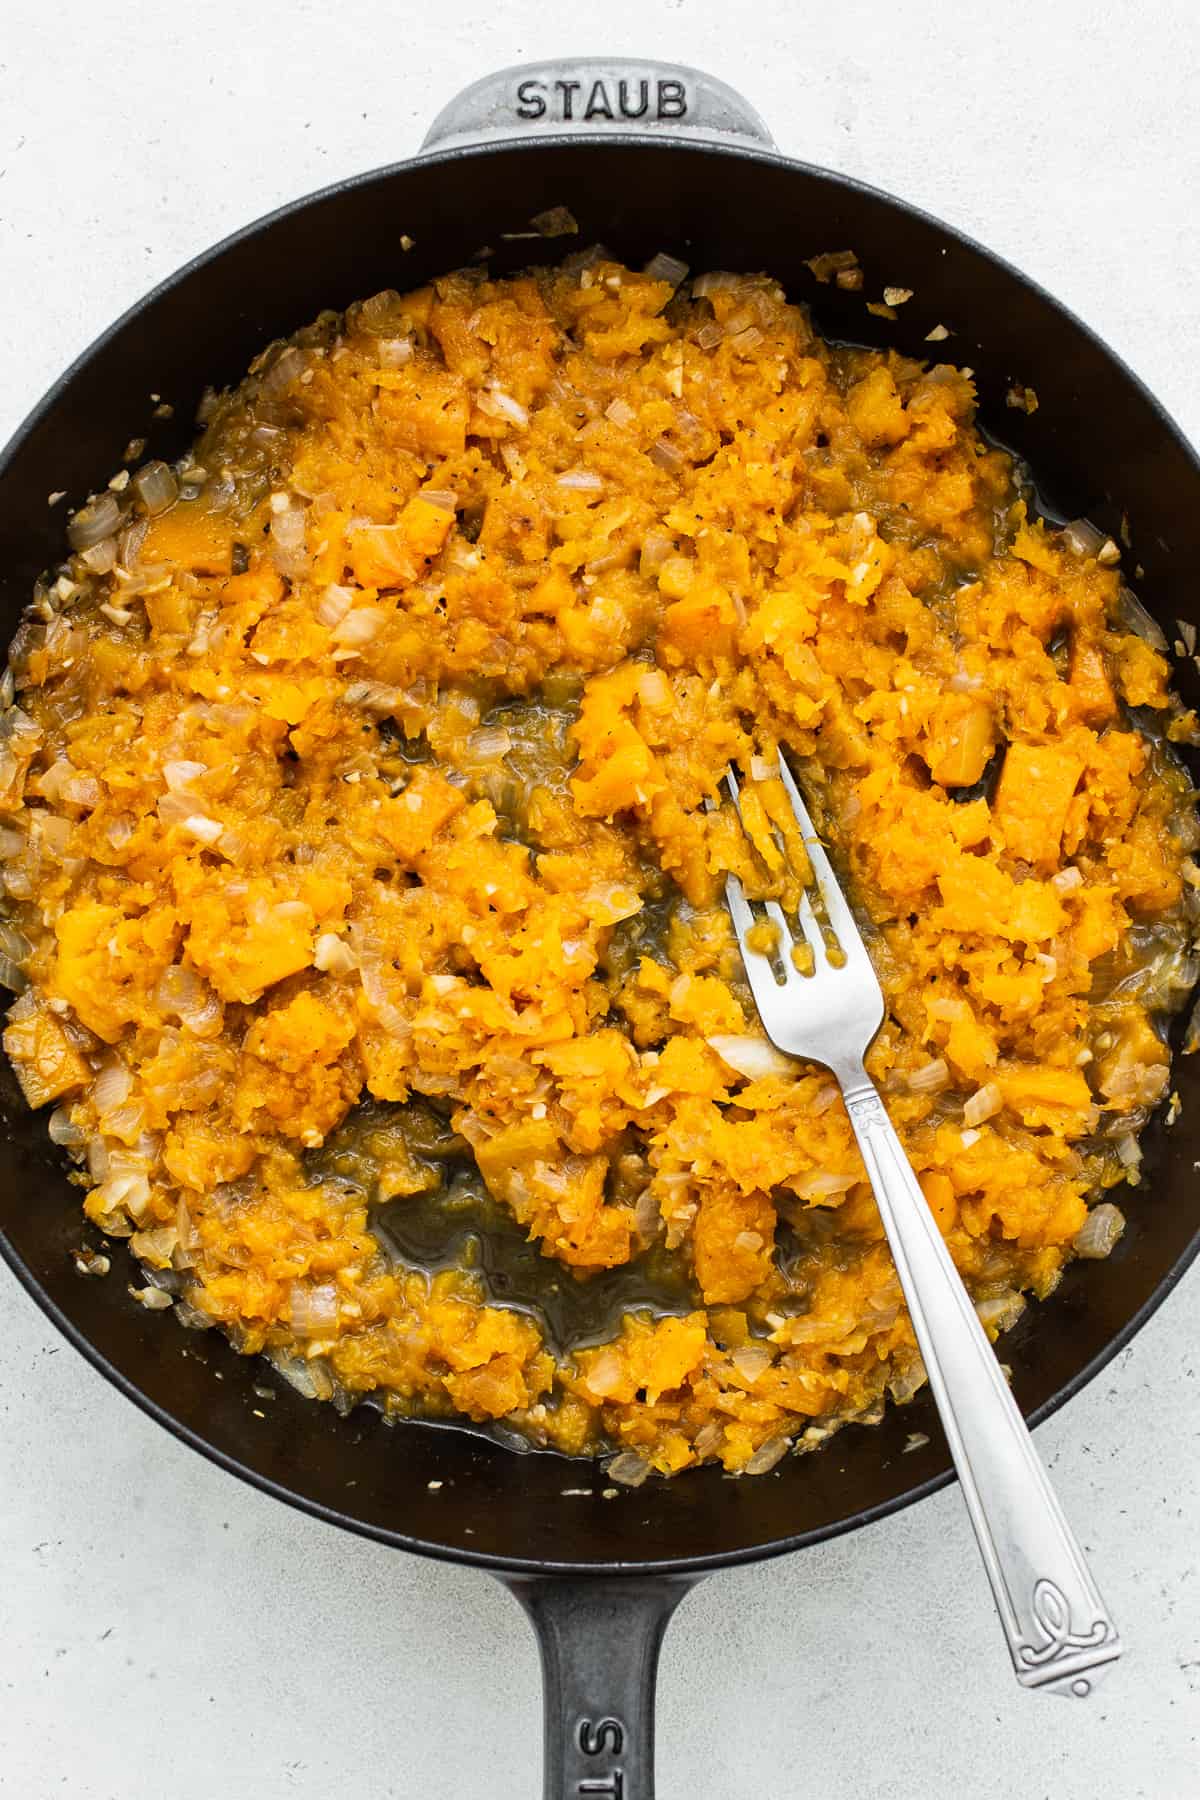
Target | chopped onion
(1082,537)
(666,268)
(189,1240)
(62,1130)
(445,499)
(377,695)
(308,1379)
(665,456)
(175,809)
(370,968)
(12,975)
(1100,1231)
(657,547)
(767,1455)
(313,1310)
(180,990)
(499,405)
(81,791)
(129,1193)
(94,522)
(199,826)
(333,955)
(1129,1153)
(192,1318)
(156,486)
(393,353)
(289,551)
(583,480)
(647,1214)
(492,740)
(620,412)
(18,724)
(180,775)
(710,335)
(606,1374)
(752,1057)
(334,604)
(129,545)
(908,1381)
(1133,614)
(205,635)
(1001,1311)
(156,1247)
(983,1104)
(359,626)
(112,1086)
(101,558)
(655,690)
(714,282)
(14,944)
(822,1184)
(608,902)
(930,1078)
(629,1469)
(750,1360)
(52,781)
(286,368)
(152,1298)
(1067,880)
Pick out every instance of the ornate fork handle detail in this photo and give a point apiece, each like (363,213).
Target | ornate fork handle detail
(1053,1615)
(1059,1632)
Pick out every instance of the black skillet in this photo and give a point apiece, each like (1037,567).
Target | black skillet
(647,158)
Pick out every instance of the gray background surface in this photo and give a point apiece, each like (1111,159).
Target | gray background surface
(164,1630)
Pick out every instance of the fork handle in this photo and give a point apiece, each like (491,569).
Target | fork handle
(1060,1634)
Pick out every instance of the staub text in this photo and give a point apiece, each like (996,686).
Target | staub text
(568,102)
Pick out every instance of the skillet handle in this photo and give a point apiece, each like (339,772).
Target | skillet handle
(594,96)
(599,1638)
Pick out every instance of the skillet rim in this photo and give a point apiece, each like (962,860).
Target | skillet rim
(505,1565)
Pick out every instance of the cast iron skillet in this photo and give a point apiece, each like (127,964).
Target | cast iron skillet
(694,173)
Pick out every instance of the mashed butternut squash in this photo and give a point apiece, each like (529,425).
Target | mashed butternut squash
(367,915)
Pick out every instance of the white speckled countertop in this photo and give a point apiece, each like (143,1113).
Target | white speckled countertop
(164,1629)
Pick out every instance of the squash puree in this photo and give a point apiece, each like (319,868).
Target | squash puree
(359,875)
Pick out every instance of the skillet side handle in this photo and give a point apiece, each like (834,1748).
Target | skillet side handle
(599,1638)
(595,95)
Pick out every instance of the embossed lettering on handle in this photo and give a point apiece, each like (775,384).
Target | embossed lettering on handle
(595,95)
(569,101)
(1059,1632)
(599,1638)
(603,1738)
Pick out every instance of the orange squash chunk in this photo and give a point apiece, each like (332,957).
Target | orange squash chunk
(962,736)
(1035,789)
(191,536)
(1091,690)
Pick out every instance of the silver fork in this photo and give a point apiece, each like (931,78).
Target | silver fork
(1060,1634)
